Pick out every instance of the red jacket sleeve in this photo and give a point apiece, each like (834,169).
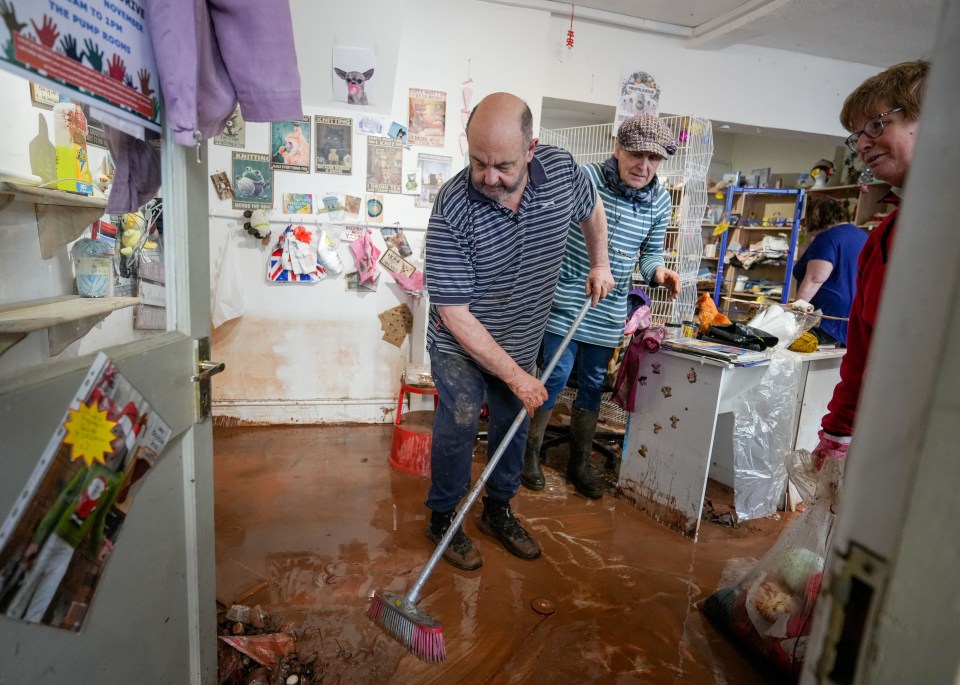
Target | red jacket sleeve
(842,410)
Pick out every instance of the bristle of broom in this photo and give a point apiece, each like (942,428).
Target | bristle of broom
(404,622)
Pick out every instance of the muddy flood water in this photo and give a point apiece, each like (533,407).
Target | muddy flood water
(318,514)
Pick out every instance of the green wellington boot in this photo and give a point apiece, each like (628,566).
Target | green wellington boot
(583,426)
(532,474)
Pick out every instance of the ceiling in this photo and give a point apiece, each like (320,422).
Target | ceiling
(874,32)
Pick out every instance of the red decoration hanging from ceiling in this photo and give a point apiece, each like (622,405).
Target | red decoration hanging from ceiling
(570,30)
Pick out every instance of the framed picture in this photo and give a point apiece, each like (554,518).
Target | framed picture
(290,145)
(252,181)
(334,142)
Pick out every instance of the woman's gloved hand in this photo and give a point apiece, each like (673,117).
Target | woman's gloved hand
(830,446)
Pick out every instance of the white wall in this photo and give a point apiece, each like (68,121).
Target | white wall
(313,353)
(782,156)
(741,84)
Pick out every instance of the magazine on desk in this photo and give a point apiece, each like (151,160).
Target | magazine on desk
(728,353)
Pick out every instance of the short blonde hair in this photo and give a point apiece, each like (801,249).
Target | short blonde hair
(902,85)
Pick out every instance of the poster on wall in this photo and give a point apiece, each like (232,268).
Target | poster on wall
(61,532)
(639,94)
(384,165)
(290,145)
(234,131)
(333,137)
(98,54)
(428,116)
(298,203)
(354,75)
(435,170)
(252,181)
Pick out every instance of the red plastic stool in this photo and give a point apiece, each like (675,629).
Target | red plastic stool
(413,438)
(416,390)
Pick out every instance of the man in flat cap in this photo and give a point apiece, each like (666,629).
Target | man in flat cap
(638,209)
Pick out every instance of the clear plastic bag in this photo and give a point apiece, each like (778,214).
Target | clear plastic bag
(784,323)
(227,294)
(763,430)
(770,610)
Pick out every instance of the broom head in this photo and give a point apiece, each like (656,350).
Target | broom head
(416,630)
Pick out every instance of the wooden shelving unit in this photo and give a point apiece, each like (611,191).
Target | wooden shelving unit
(61,216)
(67,318)
(758,211)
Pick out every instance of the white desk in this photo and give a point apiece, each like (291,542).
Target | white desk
(680,433)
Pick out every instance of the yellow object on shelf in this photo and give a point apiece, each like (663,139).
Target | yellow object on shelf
(805,343)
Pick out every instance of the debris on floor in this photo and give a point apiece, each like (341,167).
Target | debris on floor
(254,649)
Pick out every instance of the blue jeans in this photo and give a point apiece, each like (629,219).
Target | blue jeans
(591,360)
(462,388)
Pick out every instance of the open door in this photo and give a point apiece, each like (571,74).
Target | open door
(152,617)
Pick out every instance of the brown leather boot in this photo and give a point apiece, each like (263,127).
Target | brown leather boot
(497,520)
(583,426)
(461,552)
(532,474)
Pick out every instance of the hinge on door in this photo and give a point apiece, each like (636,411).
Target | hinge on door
(855,595)
(205,369)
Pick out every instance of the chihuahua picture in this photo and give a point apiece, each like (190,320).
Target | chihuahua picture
(355,81)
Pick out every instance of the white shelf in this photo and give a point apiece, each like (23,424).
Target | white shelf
(61,216)
(66,318)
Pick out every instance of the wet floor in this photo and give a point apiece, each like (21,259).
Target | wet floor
(317,512)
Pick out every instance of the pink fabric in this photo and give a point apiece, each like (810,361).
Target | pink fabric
(653,337)
(412,284)
(639,320)
(365,255)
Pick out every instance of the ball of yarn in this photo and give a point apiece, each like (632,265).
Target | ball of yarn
(805,343)
(796,567)
(93,265)
(246,187)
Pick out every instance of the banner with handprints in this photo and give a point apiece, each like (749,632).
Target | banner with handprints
(98,54)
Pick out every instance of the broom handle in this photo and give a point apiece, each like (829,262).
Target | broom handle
(414,593)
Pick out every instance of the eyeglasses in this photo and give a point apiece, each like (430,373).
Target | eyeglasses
(873,129)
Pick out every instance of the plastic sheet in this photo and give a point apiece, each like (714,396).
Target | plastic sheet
(764,424)
(784,323)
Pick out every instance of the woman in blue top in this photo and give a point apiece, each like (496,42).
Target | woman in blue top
(638,209)
(827,271)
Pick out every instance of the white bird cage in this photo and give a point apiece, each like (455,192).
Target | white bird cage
(685,176)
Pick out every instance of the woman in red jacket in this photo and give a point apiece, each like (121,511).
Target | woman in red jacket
(882,114)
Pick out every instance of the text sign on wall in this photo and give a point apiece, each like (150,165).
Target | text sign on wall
(98,49)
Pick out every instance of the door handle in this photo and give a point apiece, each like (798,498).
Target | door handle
(207,369)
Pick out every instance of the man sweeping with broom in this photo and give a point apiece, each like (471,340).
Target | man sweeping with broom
(494,245)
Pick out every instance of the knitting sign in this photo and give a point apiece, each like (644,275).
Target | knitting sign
(89,434)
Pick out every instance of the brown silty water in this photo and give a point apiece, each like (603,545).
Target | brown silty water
(317,513)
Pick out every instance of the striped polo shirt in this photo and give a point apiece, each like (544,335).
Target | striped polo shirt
(635,231)
(503,265)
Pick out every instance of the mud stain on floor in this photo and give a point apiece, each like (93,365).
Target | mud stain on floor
(317,512)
